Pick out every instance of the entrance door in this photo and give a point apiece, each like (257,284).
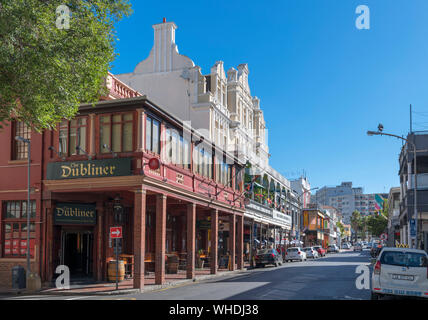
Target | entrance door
(76,252)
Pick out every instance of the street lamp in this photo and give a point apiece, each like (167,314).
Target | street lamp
(19,138)
(415,210)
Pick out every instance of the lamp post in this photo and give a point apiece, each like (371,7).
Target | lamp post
(19,138)
(415,210)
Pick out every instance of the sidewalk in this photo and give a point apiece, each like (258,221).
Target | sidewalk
(126,286)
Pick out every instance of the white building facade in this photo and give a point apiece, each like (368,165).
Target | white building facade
(222,109)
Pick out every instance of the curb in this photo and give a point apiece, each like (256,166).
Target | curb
(147,288)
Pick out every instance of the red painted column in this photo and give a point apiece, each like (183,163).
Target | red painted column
(160,239)
(139,237)
(99,241)
(191,234)
(214,241)
(49,242)
(232,241)
(240,242)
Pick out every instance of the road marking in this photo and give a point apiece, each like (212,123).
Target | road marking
(41,297)
(77,298)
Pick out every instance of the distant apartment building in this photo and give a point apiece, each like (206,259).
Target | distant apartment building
(347,199)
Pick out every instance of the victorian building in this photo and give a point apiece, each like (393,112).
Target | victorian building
(125,162)
(220,106)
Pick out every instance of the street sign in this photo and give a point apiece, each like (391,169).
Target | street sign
(115,232)
(412,228)
(384,236)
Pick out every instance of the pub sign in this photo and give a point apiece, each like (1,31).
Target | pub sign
(75,213)
(89,169)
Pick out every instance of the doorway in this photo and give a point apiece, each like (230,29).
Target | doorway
(77,253)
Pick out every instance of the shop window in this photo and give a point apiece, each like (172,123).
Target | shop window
(20,148)
(73,133)
(15,228)
(116,131)
(152,135)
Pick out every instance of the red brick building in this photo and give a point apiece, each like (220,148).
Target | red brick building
(77,194)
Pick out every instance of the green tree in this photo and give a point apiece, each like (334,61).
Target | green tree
(357,223)
(47,69)
(377,223)
(341,227)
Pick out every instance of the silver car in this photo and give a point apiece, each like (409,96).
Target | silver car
(295,253)
(311,253)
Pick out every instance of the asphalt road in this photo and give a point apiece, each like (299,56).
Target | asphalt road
(330,278)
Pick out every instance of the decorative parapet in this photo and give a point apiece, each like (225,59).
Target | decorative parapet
(118,89)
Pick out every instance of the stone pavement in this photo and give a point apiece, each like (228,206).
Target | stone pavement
(126,286)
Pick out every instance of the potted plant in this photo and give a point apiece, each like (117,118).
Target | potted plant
(199,261)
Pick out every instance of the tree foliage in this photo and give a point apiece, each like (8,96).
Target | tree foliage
(357,222)
(341,227)
(377,224)
(46,70)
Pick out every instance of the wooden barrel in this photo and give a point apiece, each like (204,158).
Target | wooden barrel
(112,270)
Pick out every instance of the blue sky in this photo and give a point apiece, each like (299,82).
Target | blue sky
(322,82)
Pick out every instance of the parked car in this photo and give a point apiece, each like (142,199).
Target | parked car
(321,251)
(358,247)
(268,256)
(400,272)
(332,248)
(375,250)
(311,253)
(346,246)
(295,253)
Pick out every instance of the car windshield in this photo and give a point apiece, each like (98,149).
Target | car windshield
(403,258)
(307,249)
(317,247)
(292,250)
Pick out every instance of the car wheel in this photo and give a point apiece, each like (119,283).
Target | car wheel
(276,264)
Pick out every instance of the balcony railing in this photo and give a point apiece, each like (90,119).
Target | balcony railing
(422,181)
(118,89)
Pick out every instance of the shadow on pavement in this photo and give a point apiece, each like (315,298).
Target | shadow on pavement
(309,282)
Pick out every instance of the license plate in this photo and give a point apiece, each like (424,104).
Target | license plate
(402,277)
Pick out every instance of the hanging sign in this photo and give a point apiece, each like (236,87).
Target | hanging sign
(75,213)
